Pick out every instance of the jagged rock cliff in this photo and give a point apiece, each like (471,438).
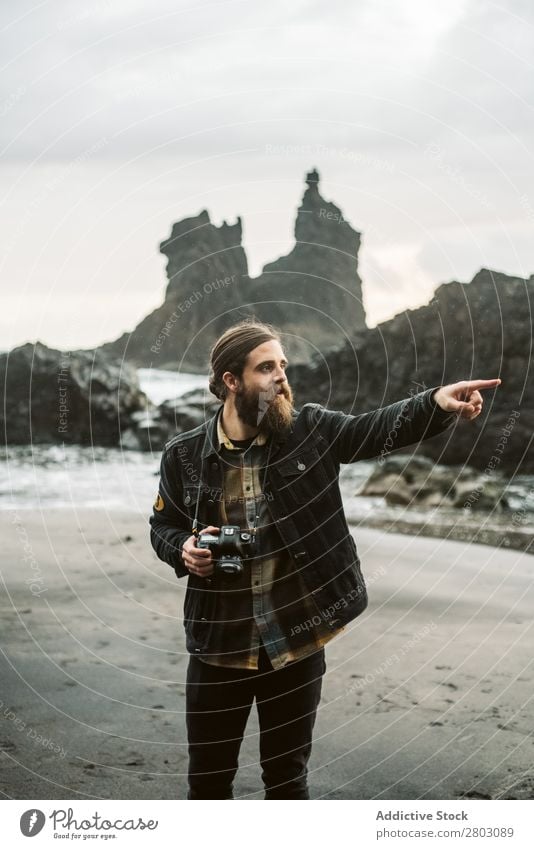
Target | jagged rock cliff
(315,290)
(67,396)
(206,268)
(313,294)
(481,329)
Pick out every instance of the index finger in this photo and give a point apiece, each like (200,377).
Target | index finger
(481,384)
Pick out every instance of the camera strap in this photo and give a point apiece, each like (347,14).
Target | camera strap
(194,529)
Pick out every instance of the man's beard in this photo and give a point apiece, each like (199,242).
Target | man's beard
(268,411)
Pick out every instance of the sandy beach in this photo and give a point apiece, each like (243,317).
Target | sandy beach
(427,695)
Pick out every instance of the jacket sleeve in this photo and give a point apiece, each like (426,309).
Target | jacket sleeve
(170,525)
(377,433)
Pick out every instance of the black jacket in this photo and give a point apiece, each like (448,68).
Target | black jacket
(303,494)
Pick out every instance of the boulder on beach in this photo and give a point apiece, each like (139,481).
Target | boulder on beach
(80,397)
(418,481)
(150,430)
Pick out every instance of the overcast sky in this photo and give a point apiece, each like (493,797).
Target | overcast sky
(119,117)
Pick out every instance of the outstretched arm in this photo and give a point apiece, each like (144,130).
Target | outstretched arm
(374,434)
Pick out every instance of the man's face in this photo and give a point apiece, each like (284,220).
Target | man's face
(264,398)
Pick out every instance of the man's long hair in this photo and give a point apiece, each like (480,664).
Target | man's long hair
(230,351)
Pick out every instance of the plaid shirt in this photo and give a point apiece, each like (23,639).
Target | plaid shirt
(270,600)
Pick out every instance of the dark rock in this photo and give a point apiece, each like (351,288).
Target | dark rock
(315,292)
(186,412)
(146,432)
(481,329)
(417,481)
(181,418)
(151,429)
(206,269)
(481,495)
(71,396)
(397,490)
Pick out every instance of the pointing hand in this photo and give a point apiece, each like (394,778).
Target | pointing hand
(464,397)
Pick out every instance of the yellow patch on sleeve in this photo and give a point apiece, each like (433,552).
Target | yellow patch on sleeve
(159,504)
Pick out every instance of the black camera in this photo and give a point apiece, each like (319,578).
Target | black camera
(228,547)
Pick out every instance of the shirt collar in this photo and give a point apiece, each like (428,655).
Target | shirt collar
(224,440)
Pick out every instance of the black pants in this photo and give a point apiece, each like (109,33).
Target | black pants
(218,703)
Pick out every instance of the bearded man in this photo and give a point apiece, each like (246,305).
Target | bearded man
(271,471)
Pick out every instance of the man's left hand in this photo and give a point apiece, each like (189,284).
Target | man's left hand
(464,397)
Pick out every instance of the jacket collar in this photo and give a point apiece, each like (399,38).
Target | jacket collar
(211,440)
(223,440)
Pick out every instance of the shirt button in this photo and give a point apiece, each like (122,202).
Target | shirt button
(187,499)
(214,465)
(301,467)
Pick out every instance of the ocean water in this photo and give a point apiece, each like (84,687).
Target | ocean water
(62,476)
(58,476)
(160,385)
(43,476)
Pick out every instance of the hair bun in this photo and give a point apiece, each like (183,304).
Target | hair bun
(213,388)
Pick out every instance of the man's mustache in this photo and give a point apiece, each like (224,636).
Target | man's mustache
(273,391)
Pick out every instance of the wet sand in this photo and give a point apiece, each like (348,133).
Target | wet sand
(427,695)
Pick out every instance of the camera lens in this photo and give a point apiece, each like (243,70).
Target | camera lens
(230,567)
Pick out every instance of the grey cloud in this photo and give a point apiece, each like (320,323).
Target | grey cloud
(361,81)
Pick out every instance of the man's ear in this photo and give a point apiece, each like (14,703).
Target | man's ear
(231,381)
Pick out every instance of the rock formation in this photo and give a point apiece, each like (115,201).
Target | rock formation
(481,329)
(207,270)
(313,294)
(71,397)
(419,482)
(151,430)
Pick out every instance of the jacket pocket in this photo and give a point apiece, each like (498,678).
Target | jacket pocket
(209,504)
(194,605)
(190,498)
(303,477)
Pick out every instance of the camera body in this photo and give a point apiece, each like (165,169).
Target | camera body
(228,547)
